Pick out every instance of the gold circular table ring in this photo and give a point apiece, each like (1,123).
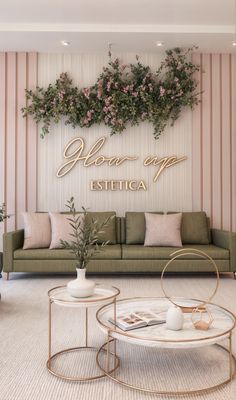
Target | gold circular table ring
(166,392)
(77,378)
(199,253)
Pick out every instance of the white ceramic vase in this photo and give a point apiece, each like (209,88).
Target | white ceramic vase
(81,287)
(174,318)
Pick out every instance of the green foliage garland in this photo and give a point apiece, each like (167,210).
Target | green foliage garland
(122,94)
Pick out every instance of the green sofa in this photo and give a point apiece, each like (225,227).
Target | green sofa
(127,253)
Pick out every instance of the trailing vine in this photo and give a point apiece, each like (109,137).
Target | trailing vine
(122,94)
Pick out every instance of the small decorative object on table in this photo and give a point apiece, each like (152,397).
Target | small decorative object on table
(83,245)
(200,323)
(174,318)
(202,319)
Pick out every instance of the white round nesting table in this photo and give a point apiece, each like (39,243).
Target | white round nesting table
(103,295)
(158,336)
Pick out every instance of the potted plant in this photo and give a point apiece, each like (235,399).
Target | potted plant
(84,243)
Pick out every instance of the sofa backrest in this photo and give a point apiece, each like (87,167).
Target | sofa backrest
(135,226)
(195,228)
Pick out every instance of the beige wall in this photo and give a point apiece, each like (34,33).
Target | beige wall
(172,190)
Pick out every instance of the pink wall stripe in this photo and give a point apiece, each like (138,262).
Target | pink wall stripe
(216,143)
(196,144)
(2,128)
(17,136)
(32,141)
(21,138)
(233,139)
(206,134)
(11,138)
(215,122)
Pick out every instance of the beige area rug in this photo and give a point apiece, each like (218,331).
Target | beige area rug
(24,344)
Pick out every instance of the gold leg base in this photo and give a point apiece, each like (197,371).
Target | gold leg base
(7,276)
(175,393)
(77,378)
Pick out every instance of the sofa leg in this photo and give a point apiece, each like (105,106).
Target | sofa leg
(234,275)
(7,276)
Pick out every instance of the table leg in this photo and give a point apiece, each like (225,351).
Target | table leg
(50,332)
(230,357)
(108,351)
(86,327)
(114,317)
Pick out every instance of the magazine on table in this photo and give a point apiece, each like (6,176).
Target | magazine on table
(138,319)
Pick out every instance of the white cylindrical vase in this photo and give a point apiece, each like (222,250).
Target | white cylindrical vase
(81,287)
(174,318)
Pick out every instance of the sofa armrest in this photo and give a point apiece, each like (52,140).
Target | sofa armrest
(227,240)
(11,241)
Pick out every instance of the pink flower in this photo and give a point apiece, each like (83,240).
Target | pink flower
(108,100)
(135,94)
(150,87)
(90,114)
(126,89)
(99,93)
(86,92)
(176,79)
(162,91)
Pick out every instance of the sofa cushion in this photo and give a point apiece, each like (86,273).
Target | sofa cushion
(37,230)
(136,227)
(112,252)
(163,230)
(61,228)
(194,228)
(109,232)
(138,252)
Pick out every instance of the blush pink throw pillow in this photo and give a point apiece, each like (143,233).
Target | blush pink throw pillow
(163,230)
(61,229)
(37,230)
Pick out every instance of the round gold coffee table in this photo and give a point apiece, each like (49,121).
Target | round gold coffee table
(159,337)
(103,295)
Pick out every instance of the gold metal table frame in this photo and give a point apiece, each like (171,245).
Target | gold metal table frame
(89,302)
(111,374)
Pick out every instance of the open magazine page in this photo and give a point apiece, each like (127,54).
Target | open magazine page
(150,317)
(138,319)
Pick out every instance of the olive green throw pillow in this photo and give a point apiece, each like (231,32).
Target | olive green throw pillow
(194,228)
(109,232)
(136,227)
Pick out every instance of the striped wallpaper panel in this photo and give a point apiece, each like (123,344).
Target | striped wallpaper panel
(214,140)
(18,136)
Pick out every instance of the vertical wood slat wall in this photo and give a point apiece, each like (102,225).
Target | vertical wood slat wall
(214,140)
(18,137)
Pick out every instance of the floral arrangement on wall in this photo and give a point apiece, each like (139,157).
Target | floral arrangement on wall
(122,95)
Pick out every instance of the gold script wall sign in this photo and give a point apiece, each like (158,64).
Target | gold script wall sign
(75,152)
(88,159)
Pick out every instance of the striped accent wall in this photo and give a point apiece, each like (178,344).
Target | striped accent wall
(214,140)
(18,137)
